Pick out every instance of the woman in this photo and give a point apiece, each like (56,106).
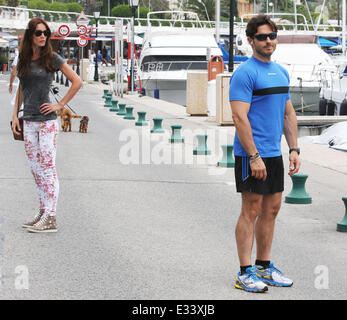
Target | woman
(36,66)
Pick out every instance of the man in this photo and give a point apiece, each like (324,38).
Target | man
(262,111)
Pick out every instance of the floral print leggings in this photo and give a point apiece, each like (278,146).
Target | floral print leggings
(40,141)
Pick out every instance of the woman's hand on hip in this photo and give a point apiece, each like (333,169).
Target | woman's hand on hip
(47,108)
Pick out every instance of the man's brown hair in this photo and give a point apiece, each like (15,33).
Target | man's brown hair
(257,21)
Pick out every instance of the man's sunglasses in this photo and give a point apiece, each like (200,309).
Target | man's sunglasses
(38,33)
(263,36)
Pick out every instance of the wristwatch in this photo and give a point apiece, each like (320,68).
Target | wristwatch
(294,149)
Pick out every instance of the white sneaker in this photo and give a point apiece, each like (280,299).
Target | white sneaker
(273,276)
(250,282)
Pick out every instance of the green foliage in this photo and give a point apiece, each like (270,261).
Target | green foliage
(38,4)
(4,59)
(143,12)
(57,6)
(122,10)
(74,7)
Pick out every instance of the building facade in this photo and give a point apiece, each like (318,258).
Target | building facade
(244,7)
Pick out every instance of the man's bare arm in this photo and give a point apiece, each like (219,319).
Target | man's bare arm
(244,132)
(290,130)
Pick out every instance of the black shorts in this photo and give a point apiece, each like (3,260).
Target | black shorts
(274,181)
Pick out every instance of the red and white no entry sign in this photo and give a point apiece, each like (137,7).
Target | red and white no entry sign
(82,30)
(64,30)
(82,41)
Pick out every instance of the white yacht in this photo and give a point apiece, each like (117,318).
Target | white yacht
(166,57)
(304,60)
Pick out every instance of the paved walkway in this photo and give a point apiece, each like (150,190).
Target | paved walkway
(151,229)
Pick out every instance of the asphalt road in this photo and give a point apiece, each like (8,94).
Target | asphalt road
(152,231)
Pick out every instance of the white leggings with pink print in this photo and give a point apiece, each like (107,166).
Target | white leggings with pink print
(40,141)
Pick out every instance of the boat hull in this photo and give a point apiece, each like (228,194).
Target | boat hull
(169,90)
(309,96)
(175,91)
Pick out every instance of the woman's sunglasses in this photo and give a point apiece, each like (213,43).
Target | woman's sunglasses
(263,36)
(38,33)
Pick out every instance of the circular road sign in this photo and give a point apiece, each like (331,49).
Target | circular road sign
(64,30)
(82,41)
(82,30)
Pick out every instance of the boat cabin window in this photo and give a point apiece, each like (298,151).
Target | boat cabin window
(173,63)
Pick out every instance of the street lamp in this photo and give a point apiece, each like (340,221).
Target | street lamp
(96,73)
(272,9)
(133,4)
(231,36)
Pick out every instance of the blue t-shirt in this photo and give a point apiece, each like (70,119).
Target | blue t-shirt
(266,87)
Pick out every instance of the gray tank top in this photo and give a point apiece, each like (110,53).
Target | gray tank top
(36,87)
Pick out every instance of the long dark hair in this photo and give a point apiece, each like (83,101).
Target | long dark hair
(26,50)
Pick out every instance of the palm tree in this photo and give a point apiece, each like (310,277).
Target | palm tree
(204,8)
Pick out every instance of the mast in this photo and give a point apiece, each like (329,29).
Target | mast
(344,27)
(217,20)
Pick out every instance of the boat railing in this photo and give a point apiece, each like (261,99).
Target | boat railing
(306,72)
(173,66)
(18,17)
(280,14)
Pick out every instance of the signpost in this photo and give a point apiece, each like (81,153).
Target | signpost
(82,19)
(64,30)
(118,41)
(82,30)
(82,42)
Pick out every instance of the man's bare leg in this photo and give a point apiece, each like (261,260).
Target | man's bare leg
(265,225)
(244,232)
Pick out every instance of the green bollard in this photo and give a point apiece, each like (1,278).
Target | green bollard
(121,111)
(114,107)
(176,134)
(129,113)
(108,103)
(157,125)
(298,195)
(201,149)
(105,93)
(142,119)
(342,226)
(227,159)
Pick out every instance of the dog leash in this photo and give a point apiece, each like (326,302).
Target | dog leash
(54,93)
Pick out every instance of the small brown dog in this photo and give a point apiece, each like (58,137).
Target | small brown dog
(84,124)
(65,117)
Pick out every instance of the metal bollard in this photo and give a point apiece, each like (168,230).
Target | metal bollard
(108,103)
(142,119)
(342,225)
(298,195)
(114,107)
(121,111)
(157,125)
(105,93)
(176,134)
(227,159)
(129,113)
(201,149)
